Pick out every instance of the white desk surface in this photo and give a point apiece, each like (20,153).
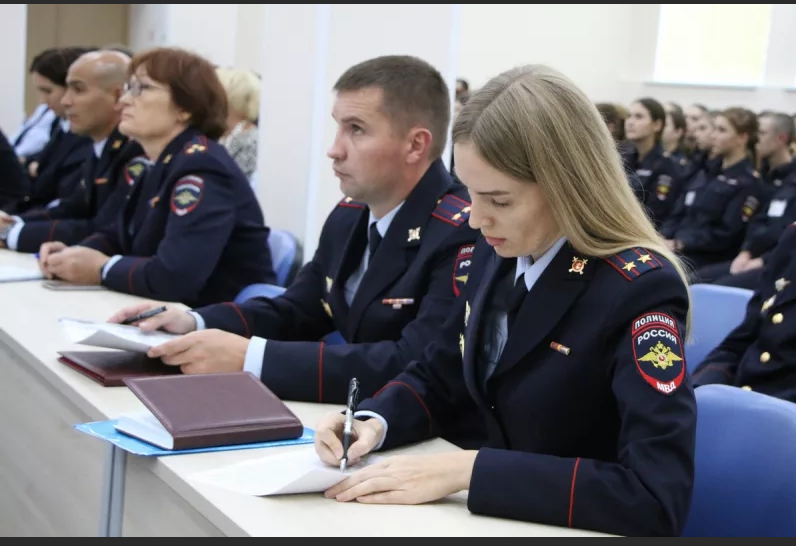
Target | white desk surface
(29,324)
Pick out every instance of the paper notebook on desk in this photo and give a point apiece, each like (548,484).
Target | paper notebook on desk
(290,473)
(106,430)
(16,274)
(112,336)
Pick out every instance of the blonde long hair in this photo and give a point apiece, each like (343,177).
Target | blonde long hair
(532,123)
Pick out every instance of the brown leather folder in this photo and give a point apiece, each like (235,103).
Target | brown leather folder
(201,411)
(111,368)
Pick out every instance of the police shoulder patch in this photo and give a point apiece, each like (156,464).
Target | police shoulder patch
(351,204)
(634,262)
(187,194)
(461,268)
(452,210)
(658,352)
(749,209)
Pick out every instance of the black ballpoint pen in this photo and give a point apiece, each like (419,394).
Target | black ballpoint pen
(348,427)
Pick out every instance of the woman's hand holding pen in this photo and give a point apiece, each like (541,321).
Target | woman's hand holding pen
(398,480)
(329,434)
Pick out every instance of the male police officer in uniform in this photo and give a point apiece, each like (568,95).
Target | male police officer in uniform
(94,84)
(759,354)
(392,256)
(14,182)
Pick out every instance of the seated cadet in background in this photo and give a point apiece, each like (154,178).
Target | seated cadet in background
(694,115)
(391,258)
(568,336)
(14,181)
(760,353)
(774,215)
(658,174)
(192,230)
(717,203)
(33,135)
(55,171)
(241,136)
(616,124)
(94,85)
(673,137)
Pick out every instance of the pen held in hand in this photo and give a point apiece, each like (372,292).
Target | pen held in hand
(348,427)
(145,315)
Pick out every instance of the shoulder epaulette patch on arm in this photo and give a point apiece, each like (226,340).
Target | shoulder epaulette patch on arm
(196,146)
(634,262)
(452,210)
(351,204)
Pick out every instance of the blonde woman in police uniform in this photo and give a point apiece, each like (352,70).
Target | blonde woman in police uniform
(568,336)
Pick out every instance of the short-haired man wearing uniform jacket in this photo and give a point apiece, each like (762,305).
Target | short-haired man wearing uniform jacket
(392,256)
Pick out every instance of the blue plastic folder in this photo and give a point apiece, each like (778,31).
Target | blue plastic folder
(105,430)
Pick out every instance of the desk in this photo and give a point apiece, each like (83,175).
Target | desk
(51,475)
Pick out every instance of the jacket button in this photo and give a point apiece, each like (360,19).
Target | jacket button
(778,318)
(765,357)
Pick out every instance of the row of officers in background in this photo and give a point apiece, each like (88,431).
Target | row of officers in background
(719,186)
(434,282)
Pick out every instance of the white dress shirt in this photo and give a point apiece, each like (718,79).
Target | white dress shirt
(36,131)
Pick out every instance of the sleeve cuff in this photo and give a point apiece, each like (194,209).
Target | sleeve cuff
(255,355)
(383,422)
(200,321)
(109,264)
(12,241)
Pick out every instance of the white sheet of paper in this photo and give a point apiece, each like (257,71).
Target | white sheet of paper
(15,274)
(112,336)
(290,473)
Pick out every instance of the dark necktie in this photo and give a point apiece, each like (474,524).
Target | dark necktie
(374,239)
(514,300)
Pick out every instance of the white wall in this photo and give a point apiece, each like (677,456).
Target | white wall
(248,36)
(13,22)
(609,50)
(149,26)
(207,29)
(585,42)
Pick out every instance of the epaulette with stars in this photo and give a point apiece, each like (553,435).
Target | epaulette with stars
(634,262)
(452,210)
(196,146)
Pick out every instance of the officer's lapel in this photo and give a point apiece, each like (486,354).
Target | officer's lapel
(401,241)
(546,304)
(352,258)
(472,332)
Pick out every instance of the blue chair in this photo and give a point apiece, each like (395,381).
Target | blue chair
(716,311)
(259,291)
(745,483)
(287,255)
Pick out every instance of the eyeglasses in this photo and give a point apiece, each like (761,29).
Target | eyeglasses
(136,87)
